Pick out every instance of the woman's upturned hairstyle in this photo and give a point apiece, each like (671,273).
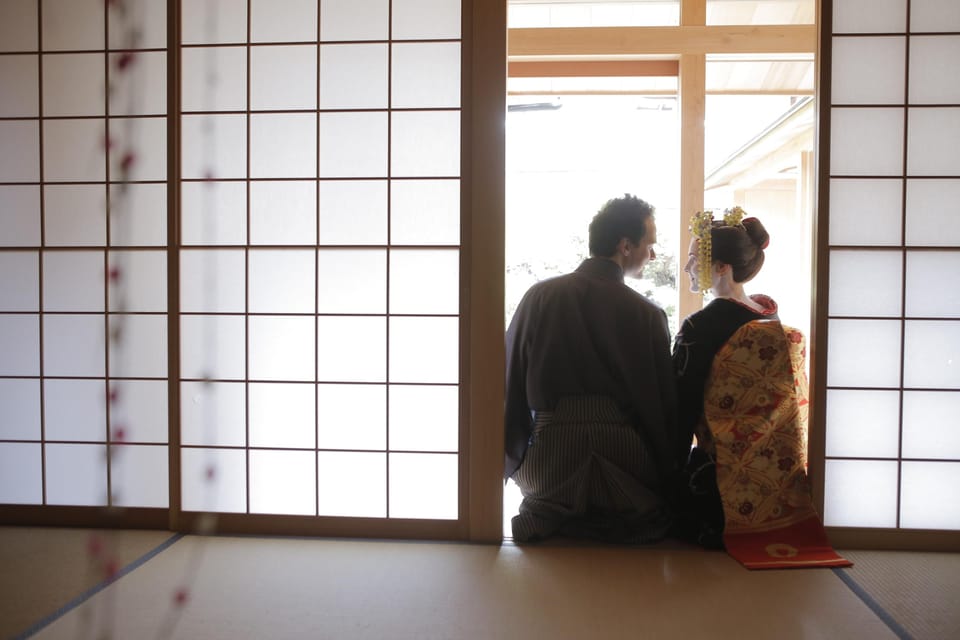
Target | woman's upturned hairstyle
(741,246)
(624,217)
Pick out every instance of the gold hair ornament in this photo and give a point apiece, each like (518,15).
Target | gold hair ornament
(700,225)
(733,217)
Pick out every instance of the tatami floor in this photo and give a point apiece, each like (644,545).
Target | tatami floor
(174,586)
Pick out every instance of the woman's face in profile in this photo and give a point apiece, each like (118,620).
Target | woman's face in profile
(692,267)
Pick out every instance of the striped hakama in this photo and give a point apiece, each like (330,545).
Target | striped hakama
(588,474)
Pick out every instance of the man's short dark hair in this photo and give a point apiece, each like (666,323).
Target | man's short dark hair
(624,217)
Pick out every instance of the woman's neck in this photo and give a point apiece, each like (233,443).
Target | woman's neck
(726,288)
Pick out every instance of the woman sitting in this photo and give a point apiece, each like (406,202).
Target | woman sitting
(743,394)
(723,255)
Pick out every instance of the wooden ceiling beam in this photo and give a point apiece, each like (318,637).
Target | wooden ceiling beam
(593,68)
(621,42)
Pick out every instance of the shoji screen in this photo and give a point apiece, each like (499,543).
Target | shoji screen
(83,341)
(893,328)
(320,257)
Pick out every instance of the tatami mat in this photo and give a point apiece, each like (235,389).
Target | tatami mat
(43,569)
(921,591)
(312,588)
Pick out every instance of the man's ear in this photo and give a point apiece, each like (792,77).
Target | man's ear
(623,247)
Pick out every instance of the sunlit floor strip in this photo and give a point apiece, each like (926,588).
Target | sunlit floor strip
(874,606)
(89,593)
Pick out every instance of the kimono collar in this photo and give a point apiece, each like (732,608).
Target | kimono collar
(601,268)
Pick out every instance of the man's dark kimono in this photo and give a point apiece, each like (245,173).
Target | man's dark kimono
(590,408)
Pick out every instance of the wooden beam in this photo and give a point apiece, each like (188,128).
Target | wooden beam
(692,114)
(624,42)
(593,68)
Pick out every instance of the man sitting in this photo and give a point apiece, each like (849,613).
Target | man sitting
(590,411)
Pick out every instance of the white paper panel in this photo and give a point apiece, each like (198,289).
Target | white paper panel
(352,281)
(283,212)
(926,295)
(227,21)
(283,145)
(75,410)
(147,137)
(73,151)
(930,428)
(354,76)
(214,213)
(931,354)
(20,281)
(425,143)
(868,70)
(73,84)
(213,281)
(141,283)
(283,77)
(213,414)
(353,212)
(19,215)
(138,217)
(932,69)
(73,345)
(142,348)
(282,415)
(424,418)
(869,16)
(20,344)
(425,19)
(353,145)
(283,482)
(866,142)
(425,281)
(75,215)
(922,503)
(934,15)
(226,159)
(148,17)
(281,281)
(18,25)
(863,353)
(212,347)
(20,418)
(423,485)
(76,474)
(342,424)
(281,348)
(227,91)
(865,283)
(283,20)
(933,212)
(862,424)
(214,480)
(425,75)
(351,349)
(143,90)
(140,409)
(860,493)
(19,151)
(139,476)
(425,212)
(20,75)
(424,350)
(932,148)
(354,20)
(366,493)
(21,475)
(73,24)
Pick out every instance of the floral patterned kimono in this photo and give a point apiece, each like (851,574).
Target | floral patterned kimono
(755,422)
